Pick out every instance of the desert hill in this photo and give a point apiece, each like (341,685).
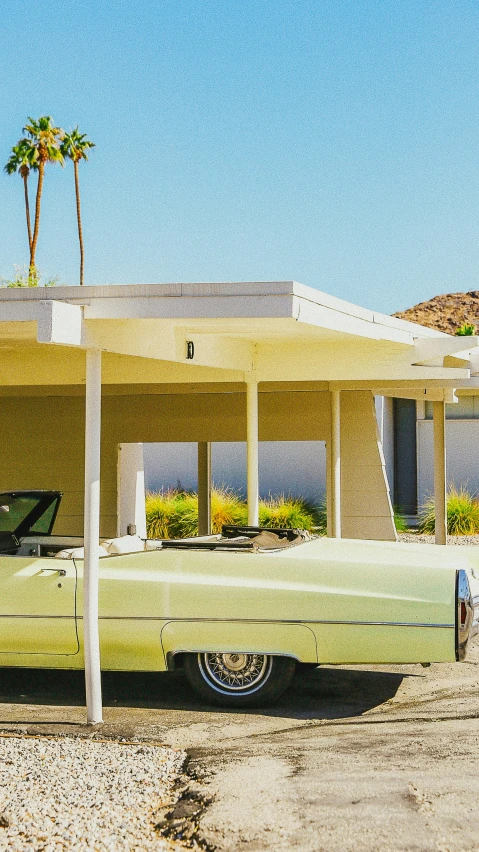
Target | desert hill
(445,313)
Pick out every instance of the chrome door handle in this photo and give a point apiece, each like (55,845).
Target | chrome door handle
(60,571)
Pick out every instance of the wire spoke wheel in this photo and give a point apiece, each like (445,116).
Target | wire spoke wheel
(236,673)
(239,679)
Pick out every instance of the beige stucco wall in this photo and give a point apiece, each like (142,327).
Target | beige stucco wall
(366,510)
(42,439)
(43,436)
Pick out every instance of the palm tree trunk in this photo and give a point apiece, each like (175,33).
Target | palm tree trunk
(41,171)
(80,232)
(27,208)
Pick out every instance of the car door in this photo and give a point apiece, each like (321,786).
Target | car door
(37,606)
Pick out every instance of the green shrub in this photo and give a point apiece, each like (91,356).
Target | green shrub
(25,277)
(174,513)
(462,513)
(400,523)
(465,330)
(321,518)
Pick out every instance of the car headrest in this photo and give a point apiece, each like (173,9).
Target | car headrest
(78,552)
(123,544)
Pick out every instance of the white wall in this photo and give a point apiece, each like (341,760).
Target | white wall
(289,467)
(385,418)
(462,455)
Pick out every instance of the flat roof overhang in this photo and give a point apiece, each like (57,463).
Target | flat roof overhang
(280,332)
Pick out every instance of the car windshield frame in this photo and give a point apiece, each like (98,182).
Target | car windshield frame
(23,524)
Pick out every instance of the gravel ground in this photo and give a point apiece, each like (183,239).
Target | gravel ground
(76,794)
(417,538)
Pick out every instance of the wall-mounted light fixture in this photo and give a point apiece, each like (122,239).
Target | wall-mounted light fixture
(190,350)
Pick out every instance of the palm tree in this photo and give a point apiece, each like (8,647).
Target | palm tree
(45,139)
(75,146)
(23,160)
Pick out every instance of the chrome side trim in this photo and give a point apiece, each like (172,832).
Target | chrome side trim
(5,615)
(276,621)
(253,620)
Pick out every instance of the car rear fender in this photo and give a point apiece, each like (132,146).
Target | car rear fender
(255,637)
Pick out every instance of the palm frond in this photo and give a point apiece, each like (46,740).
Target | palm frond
(75,145)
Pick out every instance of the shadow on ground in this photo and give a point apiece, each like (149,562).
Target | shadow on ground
(319,693)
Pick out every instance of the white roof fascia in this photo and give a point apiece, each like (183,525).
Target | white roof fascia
(350,309)
(280,299)
(192,307)
(413,327)
(321,316)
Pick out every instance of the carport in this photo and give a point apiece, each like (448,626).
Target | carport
(85,370)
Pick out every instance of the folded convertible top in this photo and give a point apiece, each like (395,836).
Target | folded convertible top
(243,538)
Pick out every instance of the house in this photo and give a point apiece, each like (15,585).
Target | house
(204,363)
(86,371)
(407,424)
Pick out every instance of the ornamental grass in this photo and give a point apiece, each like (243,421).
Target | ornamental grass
(286,511)
(174,514)
(462,513)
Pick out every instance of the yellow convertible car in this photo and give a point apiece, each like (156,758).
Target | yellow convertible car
(238,610)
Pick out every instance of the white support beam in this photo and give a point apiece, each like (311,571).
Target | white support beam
(421,394)
(335,457)
(204,488)
(92,537)
(252,456)
(149,338)
(440,498)
(59,323)
(434,350)
(344,361)
(214,350)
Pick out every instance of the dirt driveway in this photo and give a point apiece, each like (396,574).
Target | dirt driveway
(355,758)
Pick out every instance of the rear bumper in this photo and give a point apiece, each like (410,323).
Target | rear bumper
(467,614)
(475,623)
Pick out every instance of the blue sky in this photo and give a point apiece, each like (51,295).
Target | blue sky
(335,142)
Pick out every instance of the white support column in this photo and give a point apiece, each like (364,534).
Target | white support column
(336,463)
(92,536)
(204,488)
(440,498)
(252,466)
(131,489)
